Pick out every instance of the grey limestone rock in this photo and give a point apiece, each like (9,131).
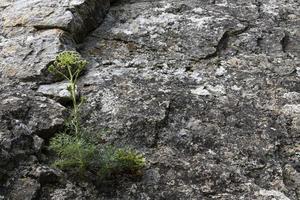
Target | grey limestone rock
(207,90)
(25,189)
(33,32)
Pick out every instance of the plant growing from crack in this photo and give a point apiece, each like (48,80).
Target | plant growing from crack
(77,150)
(69,65)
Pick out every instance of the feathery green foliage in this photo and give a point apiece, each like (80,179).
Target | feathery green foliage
(117,160)
(73,151)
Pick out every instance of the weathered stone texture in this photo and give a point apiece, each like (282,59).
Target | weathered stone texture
(207,90)
(33,32)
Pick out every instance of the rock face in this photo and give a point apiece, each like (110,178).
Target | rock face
(33,32)
(207,90)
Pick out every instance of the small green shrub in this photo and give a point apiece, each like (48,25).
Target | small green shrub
(129,160)
(118,160)
(74,152)
(75,147)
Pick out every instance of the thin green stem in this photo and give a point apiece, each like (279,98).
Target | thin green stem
(74,120)
(75,108)
(57,71)
(76,75)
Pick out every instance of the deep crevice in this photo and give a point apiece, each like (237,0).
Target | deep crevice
(223,42)
(161,124)
(284,42)
(49,27)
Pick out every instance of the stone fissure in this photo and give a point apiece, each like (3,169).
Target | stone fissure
(284,42)
(49,27)
(161,125)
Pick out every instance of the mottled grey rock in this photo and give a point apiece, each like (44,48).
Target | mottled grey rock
(23,116)
(292,178)
(72,191)
(38,143)
(33,32)
(200,91)
(27,56)
(291,109)
(207,90)
(57,91)
(45,174)
(25,189)
(24,113)
(220,71)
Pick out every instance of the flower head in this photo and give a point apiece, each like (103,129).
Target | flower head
(68,64)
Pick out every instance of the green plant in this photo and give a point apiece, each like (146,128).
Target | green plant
(74,152)
(117,160)
(77,149)
(69,65)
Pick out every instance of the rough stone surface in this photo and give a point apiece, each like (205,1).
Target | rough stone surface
(58,91)
(33,32)
(25,117)
(25,189)
(207,90)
